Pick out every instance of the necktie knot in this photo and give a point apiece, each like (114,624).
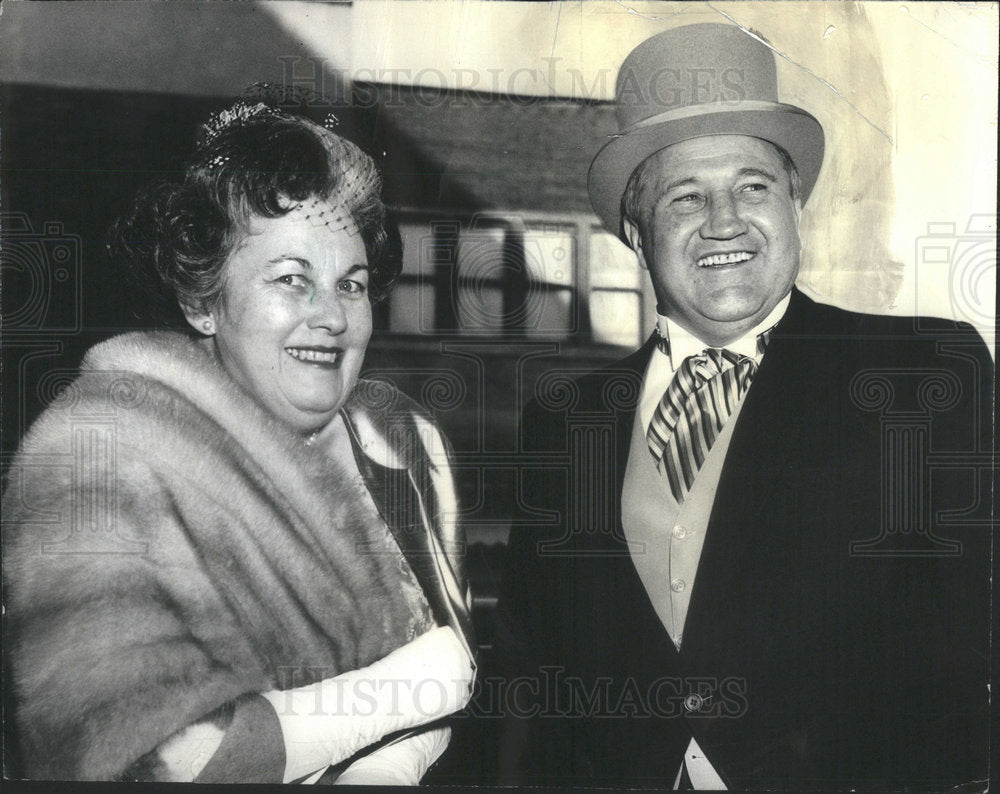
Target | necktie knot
(702,396)
(705,365)
(712,362)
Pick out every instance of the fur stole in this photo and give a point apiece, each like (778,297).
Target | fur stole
(168,547)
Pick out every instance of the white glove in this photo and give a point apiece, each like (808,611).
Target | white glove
(326,722)
(400,763)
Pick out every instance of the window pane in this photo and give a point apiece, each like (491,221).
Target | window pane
(548,313)
(480,254)
(612,263)
(417,241)
(482,272)
(411,308)
(548,255)
(615,318)
(480,307)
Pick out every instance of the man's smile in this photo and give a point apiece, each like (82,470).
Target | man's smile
(732,258)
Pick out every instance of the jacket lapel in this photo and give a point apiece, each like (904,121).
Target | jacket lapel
(639,609)
(757,464)
(625,418)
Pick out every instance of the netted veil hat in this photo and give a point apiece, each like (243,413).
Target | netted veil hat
(259,106)
(693,81)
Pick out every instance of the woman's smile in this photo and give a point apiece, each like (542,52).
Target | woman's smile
(328,357)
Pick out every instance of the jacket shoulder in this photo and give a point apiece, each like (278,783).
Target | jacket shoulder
(906,338)
(828,317)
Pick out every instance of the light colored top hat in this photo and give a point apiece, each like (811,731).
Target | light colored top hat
(693,81)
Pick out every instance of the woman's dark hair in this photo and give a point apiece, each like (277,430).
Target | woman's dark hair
(254,161)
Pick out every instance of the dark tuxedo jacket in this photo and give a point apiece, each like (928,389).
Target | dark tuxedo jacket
(837,631)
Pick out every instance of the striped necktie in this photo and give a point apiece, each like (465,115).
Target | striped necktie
(703,394)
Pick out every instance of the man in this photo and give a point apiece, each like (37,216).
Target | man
(767,567)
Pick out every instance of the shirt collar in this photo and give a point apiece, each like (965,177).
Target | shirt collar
(684,344)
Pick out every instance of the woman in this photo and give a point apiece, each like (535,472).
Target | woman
(251,569)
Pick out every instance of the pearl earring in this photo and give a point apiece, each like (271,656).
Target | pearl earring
(207,325)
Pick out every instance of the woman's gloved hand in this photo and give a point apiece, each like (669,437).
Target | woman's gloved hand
(418,683)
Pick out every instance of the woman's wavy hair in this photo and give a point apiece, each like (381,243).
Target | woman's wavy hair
(253,161)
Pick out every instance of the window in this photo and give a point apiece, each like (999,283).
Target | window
(508,276)
(616,305)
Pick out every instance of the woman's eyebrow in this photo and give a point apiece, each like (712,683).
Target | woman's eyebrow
(290,258)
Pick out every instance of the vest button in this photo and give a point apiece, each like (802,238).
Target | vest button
(680,532)
(693,702)
(678,585)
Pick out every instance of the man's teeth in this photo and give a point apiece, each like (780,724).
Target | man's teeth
(725,259)
(317,356)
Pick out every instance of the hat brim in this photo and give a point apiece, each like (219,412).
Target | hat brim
(791,128)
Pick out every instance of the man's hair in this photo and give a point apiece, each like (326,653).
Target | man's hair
(179,234)
(637,181)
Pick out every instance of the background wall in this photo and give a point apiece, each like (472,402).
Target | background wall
(906,92)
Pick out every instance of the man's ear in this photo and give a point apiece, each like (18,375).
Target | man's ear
(634,238)
(203,322)
(797,206)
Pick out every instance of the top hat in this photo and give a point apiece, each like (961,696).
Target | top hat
(693,81)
